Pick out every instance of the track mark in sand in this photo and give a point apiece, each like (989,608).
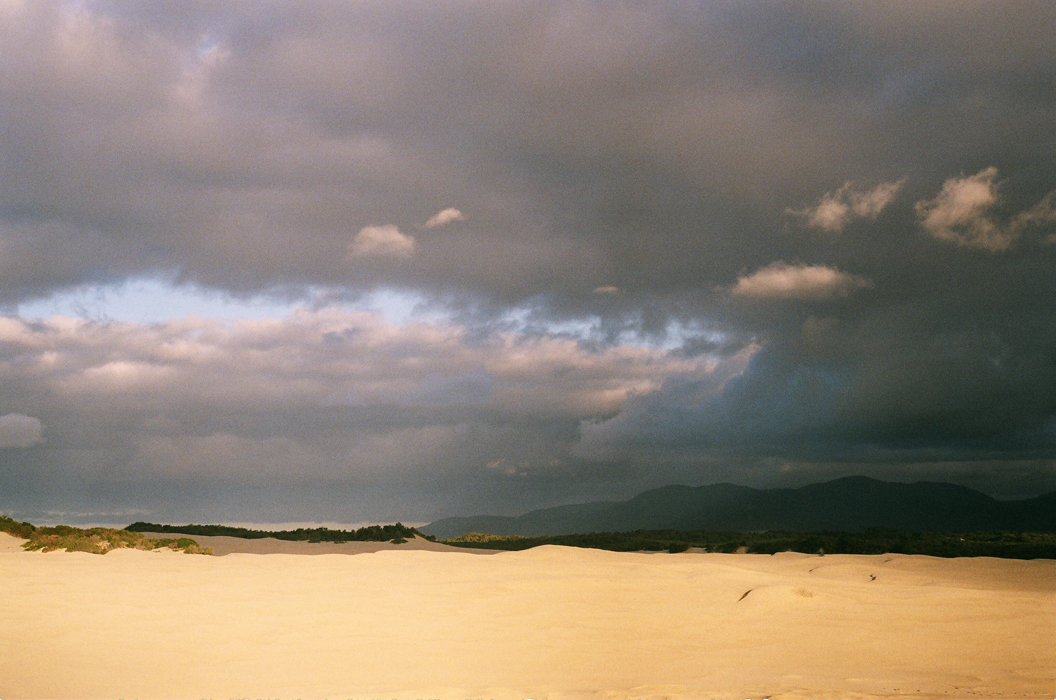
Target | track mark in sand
(745,595)
(872,577)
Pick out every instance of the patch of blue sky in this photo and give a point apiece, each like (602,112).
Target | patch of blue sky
(157,301)
(150,301)
(523,319)
(677,334)
(400,307)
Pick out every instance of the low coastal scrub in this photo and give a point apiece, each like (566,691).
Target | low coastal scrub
(13,527)
(480,537)
(95,540)
(1006,545)
(371,533)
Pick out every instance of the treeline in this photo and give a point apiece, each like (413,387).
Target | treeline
(94,540)
(1006,545)
(370,533)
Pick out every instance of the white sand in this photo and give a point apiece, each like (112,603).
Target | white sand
(551,622)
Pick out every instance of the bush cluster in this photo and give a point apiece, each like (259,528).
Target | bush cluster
(95,540)
(13,527)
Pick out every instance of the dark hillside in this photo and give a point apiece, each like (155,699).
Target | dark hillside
(849,504)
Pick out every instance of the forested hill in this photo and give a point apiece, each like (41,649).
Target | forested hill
(848,504)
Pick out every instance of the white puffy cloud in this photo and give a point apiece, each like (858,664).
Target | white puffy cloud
(837,209)
(780,280)
(961,213)
(1040,214)
(17,430)
(381,241)
(445,216)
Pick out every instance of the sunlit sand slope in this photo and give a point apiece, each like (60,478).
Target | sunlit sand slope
(545,623)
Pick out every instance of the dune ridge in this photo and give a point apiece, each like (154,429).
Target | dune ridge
(550,622)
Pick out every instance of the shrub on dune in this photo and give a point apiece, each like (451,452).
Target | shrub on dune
(95,540)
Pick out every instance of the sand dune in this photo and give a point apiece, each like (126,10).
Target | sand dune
(222,546)
(551,622)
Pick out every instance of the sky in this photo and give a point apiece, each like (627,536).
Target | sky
(370,261)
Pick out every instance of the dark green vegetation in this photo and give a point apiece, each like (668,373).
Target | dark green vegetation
(13,527)
(1006,545)
(845,505)
(371,533)
(95,540)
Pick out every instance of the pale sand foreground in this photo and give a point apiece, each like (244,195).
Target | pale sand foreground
(549,622)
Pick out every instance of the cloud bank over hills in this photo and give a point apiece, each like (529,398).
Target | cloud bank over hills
(691,242)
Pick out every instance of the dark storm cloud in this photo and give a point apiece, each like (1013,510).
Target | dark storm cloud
(587,144)
(848,202)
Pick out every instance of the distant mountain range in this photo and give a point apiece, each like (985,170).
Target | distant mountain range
(849,504)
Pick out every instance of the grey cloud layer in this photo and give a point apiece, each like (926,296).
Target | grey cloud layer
(859,192)
(327,396)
